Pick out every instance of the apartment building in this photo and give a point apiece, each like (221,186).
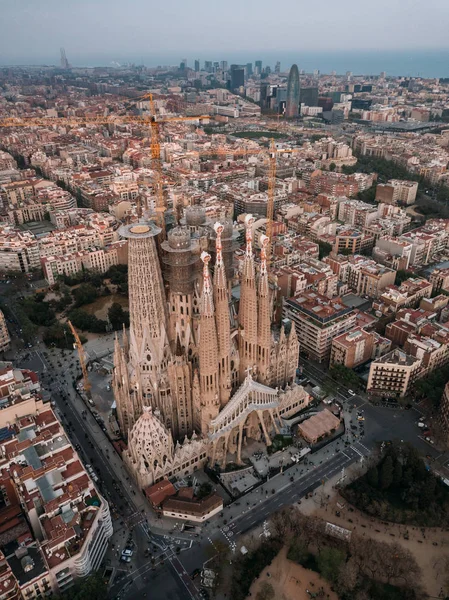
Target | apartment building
(423,246)
(432,351)
(407,322)
(125,190)
(394,252)
(351,241)
(5,339)
(318,320)
(363,275)
(408,294)
(19,251)
(55,523)
(18,192)
(397,191)
(357,213)
(94,259)
(393,374)
(439,278)
(352,348)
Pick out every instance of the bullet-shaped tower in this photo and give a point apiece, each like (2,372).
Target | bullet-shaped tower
(222,319)
(208,352)
(264,317)
(248,306)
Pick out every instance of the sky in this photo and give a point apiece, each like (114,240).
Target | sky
(147,32)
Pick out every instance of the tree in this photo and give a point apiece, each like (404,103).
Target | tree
(92,588)
(266,591)
(85,294)
(117,316)
(86,322)
(386,473)
(298,551)
(332,166)
(329,561)
(324,249)
(372,477)
(204,490)
(397,473)
(402,275)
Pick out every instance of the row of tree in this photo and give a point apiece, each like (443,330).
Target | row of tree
(359,568)
(399,488)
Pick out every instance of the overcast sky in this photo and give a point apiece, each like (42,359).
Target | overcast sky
(32,31)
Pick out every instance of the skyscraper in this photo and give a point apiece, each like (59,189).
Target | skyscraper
(237,76)
(249,69)
(197,65)
(258,67)
(292,105)
(277,67)
(309,96)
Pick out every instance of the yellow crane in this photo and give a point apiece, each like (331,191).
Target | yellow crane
(154,123)
(270,200)
(79,346)
(150,120)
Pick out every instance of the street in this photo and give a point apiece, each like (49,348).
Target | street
(163,557)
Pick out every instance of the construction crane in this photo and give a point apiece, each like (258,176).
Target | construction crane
(150,120)
(270,200)
(79,346)
(272,162)
(154,123)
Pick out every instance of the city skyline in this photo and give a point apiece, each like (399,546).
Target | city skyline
(32,33)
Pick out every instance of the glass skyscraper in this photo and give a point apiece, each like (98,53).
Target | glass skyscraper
(292,104)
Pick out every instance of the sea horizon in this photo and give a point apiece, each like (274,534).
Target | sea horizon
(406,63)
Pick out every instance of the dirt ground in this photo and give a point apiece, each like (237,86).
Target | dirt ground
(429,545)
(291,581)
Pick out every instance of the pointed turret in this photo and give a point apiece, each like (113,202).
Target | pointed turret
(248,306)
(292,355)
(264,318)
(222,319)
(208,351)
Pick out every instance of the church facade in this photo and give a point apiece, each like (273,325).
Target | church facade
(195,380)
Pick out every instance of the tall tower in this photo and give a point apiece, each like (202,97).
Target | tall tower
(264,317)
(64,62)
(221,299)
(292,105)
(149,351)
(180,257)
(248,306)
(208,352)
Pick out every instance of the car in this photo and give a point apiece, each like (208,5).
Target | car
(125,559)
(127,552)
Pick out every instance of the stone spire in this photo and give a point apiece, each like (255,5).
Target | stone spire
(148,344)
(292,355)
(222,319)
(208,351)
(264,317)
(248,306)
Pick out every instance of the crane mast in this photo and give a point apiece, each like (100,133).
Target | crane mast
(79,346)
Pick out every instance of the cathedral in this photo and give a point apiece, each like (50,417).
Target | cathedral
(195,379)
